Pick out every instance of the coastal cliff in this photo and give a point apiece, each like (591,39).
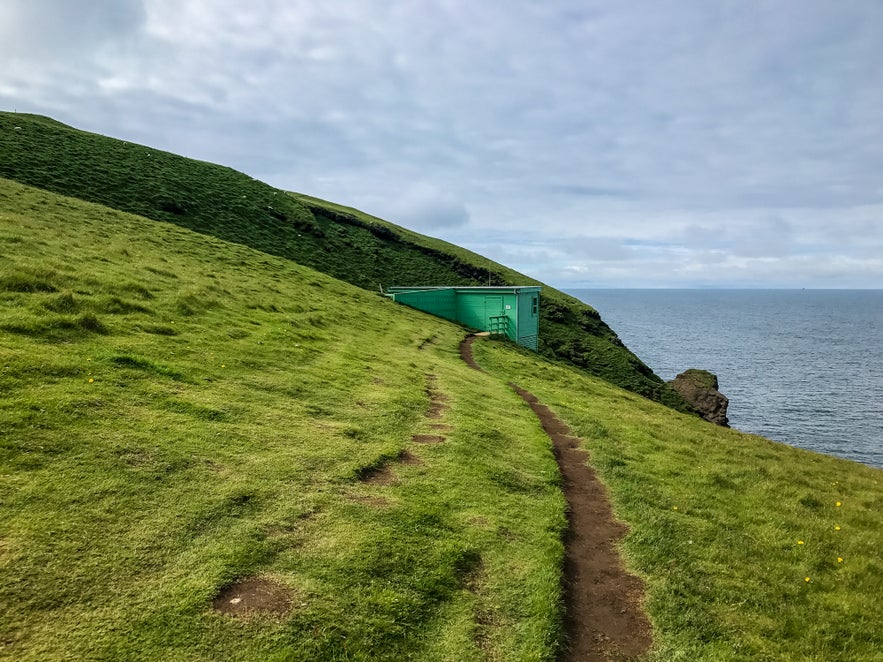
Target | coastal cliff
(700,389)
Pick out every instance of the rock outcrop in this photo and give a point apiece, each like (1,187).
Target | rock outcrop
(699,389)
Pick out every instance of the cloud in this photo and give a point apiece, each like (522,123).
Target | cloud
(427,207)
(770,236)
(601,249)
(631,141)
(44,31)
(745,248)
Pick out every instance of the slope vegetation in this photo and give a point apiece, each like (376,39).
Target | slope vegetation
(750,549)
(209,452)
(338,241)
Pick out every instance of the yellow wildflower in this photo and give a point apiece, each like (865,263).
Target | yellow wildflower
(839,560)
(799,542)
(91,380)
(838,504)
(836,528)
(806,579)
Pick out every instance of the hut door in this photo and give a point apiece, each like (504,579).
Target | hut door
(493,310)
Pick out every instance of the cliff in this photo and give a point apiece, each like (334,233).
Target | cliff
(700,389)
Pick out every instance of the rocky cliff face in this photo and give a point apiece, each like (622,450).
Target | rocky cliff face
(699,389)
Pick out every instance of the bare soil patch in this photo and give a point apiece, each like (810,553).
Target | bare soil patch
(252,596)
(436,410)
(407,457)
(604,619)
(381,475)
(466,352)
(437,406)
(427,341)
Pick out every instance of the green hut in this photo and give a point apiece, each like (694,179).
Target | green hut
(512,312)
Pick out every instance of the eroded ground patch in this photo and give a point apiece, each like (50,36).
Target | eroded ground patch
(253,596)
(605,619)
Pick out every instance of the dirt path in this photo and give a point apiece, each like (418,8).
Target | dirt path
(604,617)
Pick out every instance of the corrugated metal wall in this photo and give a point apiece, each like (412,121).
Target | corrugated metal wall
(513,313)
(528,319)
(441,302)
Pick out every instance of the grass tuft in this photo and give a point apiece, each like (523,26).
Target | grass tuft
(63,303)
(25,280)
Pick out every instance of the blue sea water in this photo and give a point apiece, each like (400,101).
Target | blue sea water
(804,367)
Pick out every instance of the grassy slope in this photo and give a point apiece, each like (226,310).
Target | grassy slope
(336,240)
(727,527)
(180,411)
(232,409)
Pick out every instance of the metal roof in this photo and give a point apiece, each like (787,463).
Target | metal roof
(470,288)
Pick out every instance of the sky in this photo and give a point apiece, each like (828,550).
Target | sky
(597,144)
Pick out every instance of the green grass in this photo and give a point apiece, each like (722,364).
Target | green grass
(184,409)
(336,240)
(180,412)
(727,527)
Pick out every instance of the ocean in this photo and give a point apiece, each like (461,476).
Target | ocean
(804,367)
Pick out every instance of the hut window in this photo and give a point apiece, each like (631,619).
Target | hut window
(533,307)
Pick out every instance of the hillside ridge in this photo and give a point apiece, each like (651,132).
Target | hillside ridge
(339,241)
(185,416)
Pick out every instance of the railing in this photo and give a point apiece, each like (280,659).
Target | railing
(498,325)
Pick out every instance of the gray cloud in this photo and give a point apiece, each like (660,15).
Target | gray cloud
(636,143)
(766,237)
(47,30)
(426,207)
(598,249)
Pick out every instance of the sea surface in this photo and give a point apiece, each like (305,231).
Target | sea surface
(804,367)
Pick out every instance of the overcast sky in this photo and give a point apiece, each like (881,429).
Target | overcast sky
(648,143)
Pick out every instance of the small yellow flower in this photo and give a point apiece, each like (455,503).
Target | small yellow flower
(91,380)
(839,560)
(223,366)
(806,579)
(837,504)
(799,542)
(674,507)
(836,528)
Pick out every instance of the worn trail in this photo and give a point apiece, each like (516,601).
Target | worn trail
(604,616)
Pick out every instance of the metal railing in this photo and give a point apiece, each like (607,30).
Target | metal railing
(498,325)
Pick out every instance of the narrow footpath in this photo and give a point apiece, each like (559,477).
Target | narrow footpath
(604,619)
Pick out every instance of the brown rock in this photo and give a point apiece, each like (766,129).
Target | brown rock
(699,389)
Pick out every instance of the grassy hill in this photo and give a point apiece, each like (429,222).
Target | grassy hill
(751,549)
(181,413)
(218,201)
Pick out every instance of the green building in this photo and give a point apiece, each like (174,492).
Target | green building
(512,312)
